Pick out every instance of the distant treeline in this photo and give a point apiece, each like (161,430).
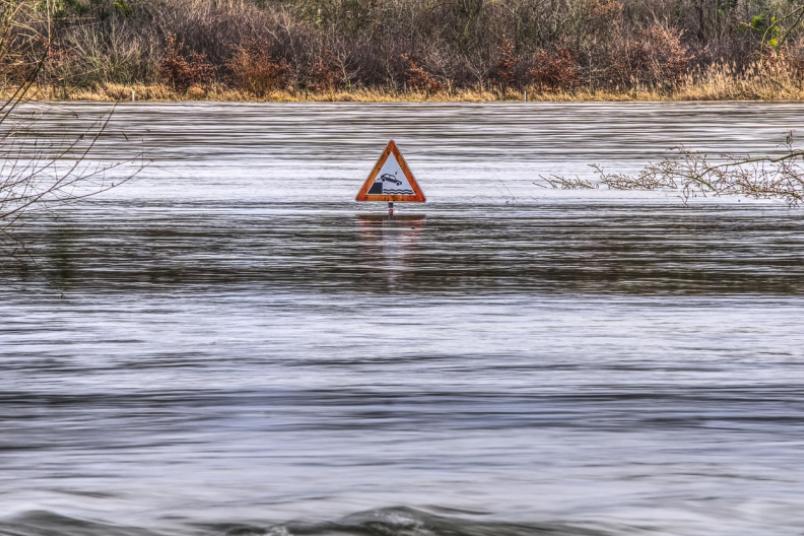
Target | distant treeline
(427,46)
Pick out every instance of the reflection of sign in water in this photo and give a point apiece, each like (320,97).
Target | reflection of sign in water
(387,245)
(391,179)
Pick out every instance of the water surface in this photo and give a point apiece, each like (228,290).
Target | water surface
(227,344)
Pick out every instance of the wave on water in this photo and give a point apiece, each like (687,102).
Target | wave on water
(399,521)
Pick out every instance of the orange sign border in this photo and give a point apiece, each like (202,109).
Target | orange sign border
(416,197)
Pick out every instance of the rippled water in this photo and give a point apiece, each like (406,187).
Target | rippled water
(229,345)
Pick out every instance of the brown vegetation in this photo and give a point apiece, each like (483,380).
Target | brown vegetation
(254,70)
(182,71)
(303,48)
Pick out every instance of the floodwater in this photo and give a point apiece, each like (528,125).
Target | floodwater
(229,345)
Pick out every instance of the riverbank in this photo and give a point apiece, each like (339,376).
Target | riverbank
(399,51)
(715,89)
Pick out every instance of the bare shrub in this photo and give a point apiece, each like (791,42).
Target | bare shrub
(554,70)
(653,57)
(89,56)
(504,71)
(338,66)
(559,182)
(254,70)
(419,78)
(57,68)
(182,71)
(697,175)
(323,75)
(660,57)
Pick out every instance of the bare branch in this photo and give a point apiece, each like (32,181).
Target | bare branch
(36,170)
(692,174)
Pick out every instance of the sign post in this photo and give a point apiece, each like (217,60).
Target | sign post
(391,180)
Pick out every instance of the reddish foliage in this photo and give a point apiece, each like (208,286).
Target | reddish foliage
(255,70)
(659,57)
(504,71)
(323,73)
(182,71)
(555,70)
(605,9)
(417,77)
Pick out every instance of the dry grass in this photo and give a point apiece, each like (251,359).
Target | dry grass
(771,78)
(760,81)
(715,86)
(163,92)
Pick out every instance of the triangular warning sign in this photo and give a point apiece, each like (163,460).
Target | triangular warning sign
(391,179)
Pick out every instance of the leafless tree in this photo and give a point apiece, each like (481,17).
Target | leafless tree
(40,169)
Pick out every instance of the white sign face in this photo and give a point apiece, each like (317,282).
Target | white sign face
(391,180)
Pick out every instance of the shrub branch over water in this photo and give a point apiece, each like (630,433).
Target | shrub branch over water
(700,175)
(197,48)
(40,168)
